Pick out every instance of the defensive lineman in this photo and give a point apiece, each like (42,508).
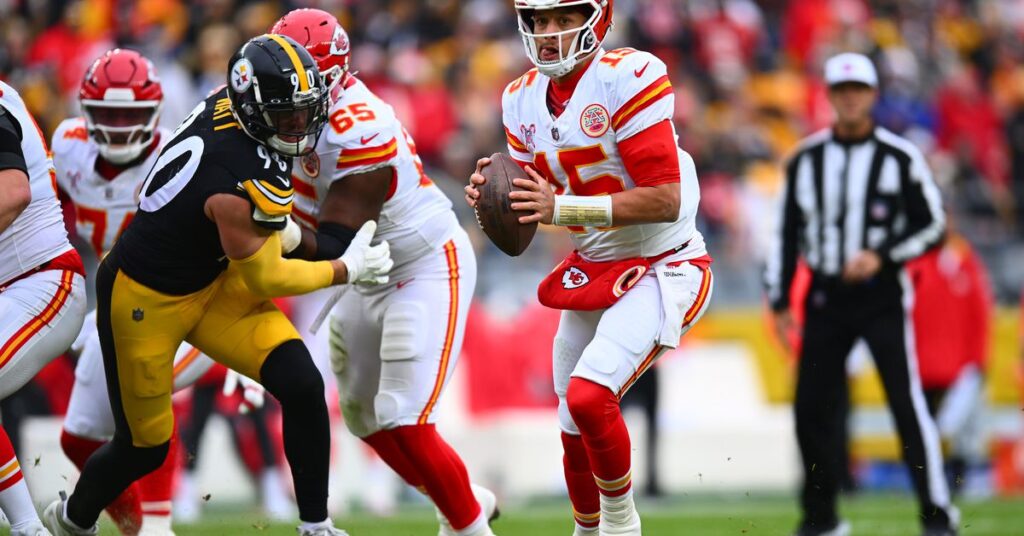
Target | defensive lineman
(42,288)
(394,347)
(101,160)
(593,129)
(218,192)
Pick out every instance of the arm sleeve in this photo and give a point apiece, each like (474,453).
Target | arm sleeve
(925,221)
(643,95)
(270,276)
(11,154)
(652,157)
(782,258)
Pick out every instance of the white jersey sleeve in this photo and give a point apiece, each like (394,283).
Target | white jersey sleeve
(70,135)
(519,138)
(641,95)
(37,235)
(367,132)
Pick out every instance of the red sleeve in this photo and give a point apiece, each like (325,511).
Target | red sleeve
(652,157)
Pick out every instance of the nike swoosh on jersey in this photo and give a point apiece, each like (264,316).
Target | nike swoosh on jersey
(640,72)
(286,180)
(404,283)
(364,140)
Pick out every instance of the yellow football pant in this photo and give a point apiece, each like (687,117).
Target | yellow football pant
(224,320)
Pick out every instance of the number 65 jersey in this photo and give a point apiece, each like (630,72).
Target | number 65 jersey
(364,135)
(620,94)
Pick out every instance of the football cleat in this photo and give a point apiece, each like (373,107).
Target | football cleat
(842,528)
(328,530)
(53,519)
(488,504)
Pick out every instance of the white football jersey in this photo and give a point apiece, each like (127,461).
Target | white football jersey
(37,234)
(363,135)
(622,93)
(103,207)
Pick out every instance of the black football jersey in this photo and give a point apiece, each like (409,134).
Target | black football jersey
(171,246)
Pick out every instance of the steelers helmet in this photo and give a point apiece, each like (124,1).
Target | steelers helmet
(277,94)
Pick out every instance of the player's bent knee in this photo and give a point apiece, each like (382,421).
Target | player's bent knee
(401,337)
(289,374)
(149,432)
(391,411)
(590,404)
(360,418)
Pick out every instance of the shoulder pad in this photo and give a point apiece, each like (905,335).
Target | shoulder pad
(69,131)
(271,198)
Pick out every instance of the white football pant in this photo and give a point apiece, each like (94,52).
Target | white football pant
(614,346)
(394,348)
(39,318)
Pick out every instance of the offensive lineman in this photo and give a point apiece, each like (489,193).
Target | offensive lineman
(394,347)
(593,128)
(42,284)
(101,160)
(218,192)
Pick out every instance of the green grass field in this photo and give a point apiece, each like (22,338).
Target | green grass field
(875,515)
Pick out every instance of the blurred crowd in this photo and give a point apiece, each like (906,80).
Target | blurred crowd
(747,77)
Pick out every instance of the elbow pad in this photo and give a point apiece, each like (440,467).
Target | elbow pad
(332,239)
(270,276)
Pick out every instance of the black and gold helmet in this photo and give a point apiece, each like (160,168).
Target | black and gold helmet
(277,94)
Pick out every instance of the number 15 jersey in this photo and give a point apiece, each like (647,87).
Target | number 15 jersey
(620,94)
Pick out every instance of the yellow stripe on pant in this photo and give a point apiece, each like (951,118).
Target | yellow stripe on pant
(224,320)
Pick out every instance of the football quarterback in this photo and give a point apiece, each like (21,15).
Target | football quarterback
(593,129)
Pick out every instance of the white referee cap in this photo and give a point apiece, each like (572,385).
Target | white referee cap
(850,67)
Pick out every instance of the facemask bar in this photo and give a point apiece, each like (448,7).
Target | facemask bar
(138,136)
(585,42)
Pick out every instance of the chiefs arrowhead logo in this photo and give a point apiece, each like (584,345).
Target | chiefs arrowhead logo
(574,278)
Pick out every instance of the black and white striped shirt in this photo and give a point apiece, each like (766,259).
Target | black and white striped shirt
(842,197)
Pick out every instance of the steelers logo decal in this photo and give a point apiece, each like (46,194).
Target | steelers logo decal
(594,120)
(311,164)
(241,75)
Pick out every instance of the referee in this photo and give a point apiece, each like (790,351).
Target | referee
(859,202)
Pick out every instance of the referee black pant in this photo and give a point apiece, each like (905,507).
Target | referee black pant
(837,314)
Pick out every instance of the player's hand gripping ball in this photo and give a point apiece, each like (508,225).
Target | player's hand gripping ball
(493,208)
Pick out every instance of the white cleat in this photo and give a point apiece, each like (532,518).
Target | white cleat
(488,504)
(619,516)
(329,530)
(185,505)
(580,531)
(154,531)
(35,529)
(53,519)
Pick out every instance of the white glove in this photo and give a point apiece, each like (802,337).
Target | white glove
(252,391)
(366,264)
(291,236)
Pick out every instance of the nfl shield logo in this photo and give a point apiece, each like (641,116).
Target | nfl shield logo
(137,314)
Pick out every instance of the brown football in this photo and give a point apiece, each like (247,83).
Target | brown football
(493,209)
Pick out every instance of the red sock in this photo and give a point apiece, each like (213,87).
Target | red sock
(583,492)
(126,510)
(595,410)
(444,475)
(10,470)
(157,488)
(384,444)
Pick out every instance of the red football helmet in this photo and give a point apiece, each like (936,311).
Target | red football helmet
(589,37)
(121,98)
(324,38)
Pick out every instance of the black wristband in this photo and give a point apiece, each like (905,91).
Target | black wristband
(332,239)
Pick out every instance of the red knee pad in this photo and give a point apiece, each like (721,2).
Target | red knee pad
(593,407)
